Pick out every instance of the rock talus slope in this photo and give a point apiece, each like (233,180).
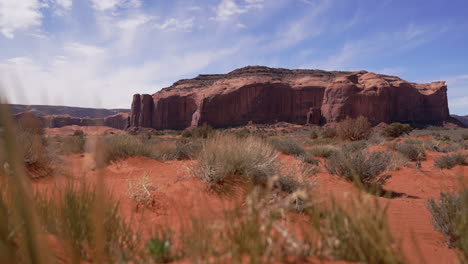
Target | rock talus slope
(267,95)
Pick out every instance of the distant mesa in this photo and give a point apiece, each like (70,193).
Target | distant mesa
(266,95)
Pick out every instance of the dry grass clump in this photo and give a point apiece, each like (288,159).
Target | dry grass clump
(395,130)
(357,232)
(464,136)
(354,129)
(450,217)
(413,152)
(140,190)
(70,216)
(329,132)
(323,151)
(288,146)
(225,158)
(452,160)
(123,146)
(361,167)
(204,131)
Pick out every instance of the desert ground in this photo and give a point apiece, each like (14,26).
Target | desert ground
(256,194)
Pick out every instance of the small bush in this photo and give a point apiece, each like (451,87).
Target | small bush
(449,216)
(355,146)
(288,147)
(358,232)
(123,146)
(395,130)
(450,161)
(361,165)
(160,249)
(465,136)
(329,132)
(323,151)
(314,134)
(412,151)
(140,191)
(354,129)
(78,133)
(225,157)
(204,131)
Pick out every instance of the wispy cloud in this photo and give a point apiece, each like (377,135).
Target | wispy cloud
(105,5)
(19,15)
(227,9)
(176,24)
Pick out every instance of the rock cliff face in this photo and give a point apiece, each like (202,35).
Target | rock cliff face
(268,95)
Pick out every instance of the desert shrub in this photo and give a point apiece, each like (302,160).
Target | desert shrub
(242,133)
(123,146)
(314,134)
(185,150)
(308,159)
(450,161)
(413,152)
(78,133)
(449,216)
(323,151)
(395,130)
(71,217)
(203,131)
(329,132)
(354,146)
(356,232)
(360,166)
(288,146)
(140,191)
(354,129)
(465,136)
(225,157)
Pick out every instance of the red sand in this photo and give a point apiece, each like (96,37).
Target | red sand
(178,196)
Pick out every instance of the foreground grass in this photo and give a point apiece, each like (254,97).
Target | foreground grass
(450,217)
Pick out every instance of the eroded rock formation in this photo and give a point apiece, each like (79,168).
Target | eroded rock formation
(268,95)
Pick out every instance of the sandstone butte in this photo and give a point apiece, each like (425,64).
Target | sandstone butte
(265,95)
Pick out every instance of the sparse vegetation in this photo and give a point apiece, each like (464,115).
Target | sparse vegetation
(413,152)
(359,233)
(329,132)
(450,161)
(354,129)
(449,216)
(395,130)
(204,131)
(140,190)
(465,136)
(226,158)
(288,146)
(362,167)
(323,151)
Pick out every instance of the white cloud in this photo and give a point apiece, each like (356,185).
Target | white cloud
(18,15)
(229,8)
(79,49)
(134,22)
(104,5)
(176,24)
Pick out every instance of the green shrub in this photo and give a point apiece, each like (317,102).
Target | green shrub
(288,146)
(449,216)
(354,129)
(395,130)
(362,166)
(225,158)
(329,132)
(355,146)
(323,151)
(450,161)
(412,151)
(160,248)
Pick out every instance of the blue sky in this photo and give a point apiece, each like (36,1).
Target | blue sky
(98,53)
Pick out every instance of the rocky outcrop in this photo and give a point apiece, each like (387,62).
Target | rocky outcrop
(268,95)
(118,121)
